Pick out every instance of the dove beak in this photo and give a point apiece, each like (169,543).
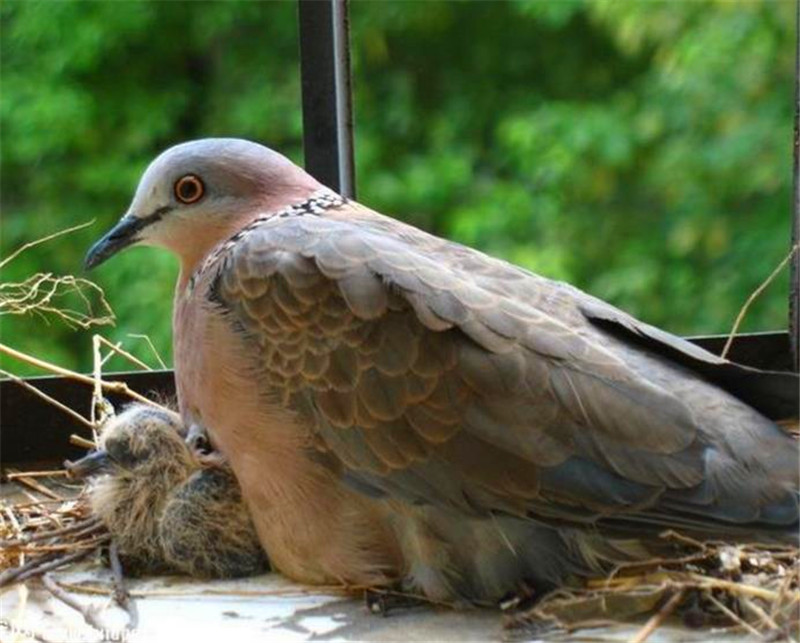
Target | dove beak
(92,464)
(122,235)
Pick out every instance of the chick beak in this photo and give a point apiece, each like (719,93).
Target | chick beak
(122,235)
(94,463)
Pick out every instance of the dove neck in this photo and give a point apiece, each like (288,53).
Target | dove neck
(209,234)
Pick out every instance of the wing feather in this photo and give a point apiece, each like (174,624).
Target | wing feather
(436,373)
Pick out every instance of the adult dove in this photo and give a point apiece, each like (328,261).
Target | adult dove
(401,408)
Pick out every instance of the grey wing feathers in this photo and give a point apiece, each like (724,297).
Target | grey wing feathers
(440,375)
(776,394)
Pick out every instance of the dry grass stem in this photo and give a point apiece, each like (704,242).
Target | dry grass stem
(82,527)
(206,591)
(78,302)
(152,348)
(753,296)
(45,534)
(49,237)
(734,617)
(36,486)
(37,474)
(117,348)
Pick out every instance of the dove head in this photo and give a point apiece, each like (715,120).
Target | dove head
(199,193)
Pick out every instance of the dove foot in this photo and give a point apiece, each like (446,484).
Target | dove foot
(381,601)
(523,598)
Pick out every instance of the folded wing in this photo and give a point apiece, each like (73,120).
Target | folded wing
(439,375)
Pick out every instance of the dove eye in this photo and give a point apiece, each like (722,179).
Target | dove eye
(189,189)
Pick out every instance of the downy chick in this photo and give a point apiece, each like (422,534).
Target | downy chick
(166,511)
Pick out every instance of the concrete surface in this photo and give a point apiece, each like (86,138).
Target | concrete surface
(264,608)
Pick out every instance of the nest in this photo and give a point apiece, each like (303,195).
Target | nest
(39,535)
(751,588)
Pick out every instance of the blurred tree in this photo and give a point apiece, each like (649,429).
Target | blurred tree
(639,150)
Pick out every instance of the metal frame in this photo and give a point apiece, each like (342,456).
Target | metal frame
(327,93)
(35,432)
(794,271)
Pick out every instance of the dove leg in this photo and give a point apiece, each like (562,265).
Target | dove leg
(382,601)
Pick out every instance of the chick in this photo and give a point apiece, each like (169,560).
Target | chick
(168,512)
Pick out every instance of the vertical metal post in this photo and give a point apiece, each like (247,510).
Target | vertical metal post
(327,103)
(794,275)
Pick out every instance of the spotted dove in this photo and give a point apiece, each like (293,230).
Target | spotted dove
(398,407)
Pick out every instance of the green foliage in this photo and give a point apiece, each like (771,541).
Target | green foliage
(639,150)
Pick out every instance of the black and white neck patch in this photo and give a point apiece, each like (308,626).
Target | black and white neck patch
(316,204)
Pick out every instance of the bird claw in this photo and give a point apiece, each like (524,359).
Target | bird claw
(381,601)
(523,598)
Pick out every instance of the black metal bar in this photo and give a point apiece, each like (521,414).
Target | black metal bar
(327,95)
(794,271)
(766,350)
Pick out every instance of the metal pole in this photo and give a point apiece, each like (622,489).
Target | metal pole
(327,104)
(794,275)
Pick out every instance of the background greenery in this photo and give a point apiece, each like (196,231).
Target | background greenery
(641,150)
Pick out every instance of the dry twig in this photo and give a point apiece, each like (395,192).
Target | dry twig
(121,594)
(90,613)
(112,387)
(117,348)
(658,618)
(48,296)
(78,441)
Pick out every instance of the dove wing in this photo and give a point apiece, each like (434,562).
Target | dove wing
(437,374)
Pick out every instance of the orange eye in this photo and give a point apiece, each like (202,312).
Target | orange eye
(189,189)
